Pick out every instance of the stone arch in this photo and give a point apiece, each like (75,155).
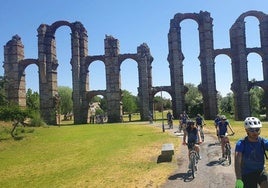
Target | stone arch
(48,64)
(240,52)
(176,57)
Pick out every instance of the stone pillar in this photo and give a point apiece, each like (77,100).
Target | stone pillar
(264,47)
(80,48)
(145,81)
(175,59)
(239,70)
(208,84)
(47,74)
(75,62)
(13,54)
(113,82)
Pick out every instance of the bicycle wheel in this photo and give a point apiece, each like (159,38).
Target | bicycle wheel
(202,135)
(228,149)
(193,163)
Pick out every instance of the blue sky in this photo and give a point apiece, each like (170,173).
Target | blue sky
(132,23)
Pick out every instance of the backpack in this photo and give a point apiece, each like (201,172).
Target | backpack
(262,143)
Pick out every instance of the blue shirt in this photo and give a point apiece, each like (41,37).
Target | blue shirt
(252,154)
(223,127)
(192,134)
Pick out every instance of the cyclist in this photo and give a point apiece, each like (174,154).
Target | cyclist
(200,123)
(170,119)
(184,119)
(193,136)
(249,156)
(222,130)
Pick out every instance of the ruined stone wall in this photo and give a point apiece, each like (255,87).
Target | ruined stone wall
(15,64)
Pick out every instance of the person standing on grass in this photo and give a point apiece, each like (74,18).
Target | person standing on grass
(249,157)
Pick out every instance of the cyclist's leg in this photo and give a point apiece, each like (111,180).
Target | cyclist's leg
(197,149)
(263,179)
(250,180)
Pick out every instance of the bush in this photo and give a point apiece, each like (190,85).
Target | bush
(36,120)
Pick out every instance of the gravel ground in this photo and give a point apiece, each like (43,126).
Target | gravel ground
(211,172)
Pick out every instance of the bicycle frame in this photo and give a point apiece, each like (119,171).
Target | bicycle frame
(193,158)
(227,149)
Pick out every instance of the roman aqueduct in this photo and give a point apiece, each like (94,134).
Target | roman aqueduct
(47,63)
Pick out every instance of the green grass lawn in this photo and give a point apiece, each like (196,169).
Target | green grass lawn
(99,155)
(108,155)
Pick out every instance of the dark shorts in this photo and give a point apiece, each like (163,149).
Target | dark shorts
(252,179)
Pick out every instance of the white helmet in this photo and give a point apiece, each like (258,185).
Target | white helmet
(252,122)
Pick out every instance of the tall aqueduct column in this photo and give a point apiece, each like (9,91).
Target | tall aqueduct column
(208,84)
(113,83)
(47,73)
(15,89)
(145,80)
(175,59)
(79,52)
(239,70)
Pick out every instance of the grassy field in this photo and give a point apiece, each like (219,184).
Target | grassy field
(106,155)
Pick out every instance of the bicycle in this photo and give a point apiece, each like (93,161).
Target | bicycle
(193,156)
(227,150)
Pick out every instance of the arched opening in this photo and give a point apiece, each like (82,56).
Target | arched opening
(63,50)
(97,110)
(162,104)
(252,32)
(64,70)
(32,87)
(97,76)
(129,84)
(32,78)
(190,50)
(223,74)
(223,77)
(129,76)
(254,67)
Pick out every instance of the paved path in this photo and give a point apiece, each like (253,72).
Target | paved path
(210,174)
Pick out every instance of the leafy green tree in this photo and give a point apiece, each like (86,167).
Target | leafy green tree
(193,100)
(14,114)
(3,99)
(256,101)
(129,102)
(32,100)
(66,103)
(227,104)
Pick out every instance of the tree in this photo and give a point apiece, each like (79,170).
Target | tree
(129,102)
(66,104)
(193,100)
(32,100)
(256,101)
(227,104)
(3,99)
(14,114)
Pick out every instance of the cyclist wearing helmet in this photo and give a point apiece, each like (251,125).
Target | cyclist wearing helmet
(222,130)
(193,136)
(249,156)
